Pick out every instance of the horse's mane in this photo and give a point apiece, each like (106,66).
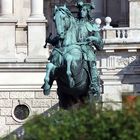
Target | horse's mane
(73,26)
(64,10)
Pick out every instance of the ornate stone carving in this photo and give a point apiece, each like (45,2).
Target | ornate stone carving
(125,61)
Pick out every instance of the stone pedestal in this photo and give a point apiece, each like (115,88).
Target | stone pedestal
(7,40)
(36,33)
(134,10)
(36,41)
(7,32)
(6,8)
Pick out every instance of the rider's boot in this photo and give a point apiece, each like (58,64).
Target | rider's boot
(94,87)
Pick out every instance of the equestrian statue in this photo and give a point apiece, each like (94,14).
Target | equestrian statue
(72,62)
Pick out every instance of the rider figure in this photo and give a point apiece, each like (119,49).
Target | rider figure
(89,38)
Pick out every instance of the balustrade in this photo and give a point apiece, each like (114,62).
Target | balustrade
(120,34)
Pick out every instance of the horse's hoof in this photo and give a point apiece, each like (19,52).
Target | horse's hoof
(46,92)
(46,89)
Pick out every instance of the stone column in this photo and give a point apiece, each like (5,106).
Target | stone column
(37,9)
(7,32)
(36,33)
(6,8)
(134,10)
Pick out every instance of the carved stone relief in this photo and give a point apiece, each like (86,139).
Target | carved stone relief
(120,60)
(125,61)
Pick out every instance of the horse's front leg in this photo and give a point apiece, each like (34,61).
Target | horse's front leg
(49,78)
(69,73)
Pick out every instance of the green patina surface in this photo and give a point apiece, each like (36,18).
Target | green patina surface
(74,53)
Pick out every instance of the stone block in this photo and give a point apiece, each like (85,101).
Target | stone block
(21,95)
(39,110)
(54,102)
(4,130)
(11,121)
(7,39)
(112,96)
(22,101)
(112,105)
(5,103)
(6,111)
(40,95)
(21,35)
(112,93)
(2,121)
(41,103)
(21,52)
(14,127)
(4,95)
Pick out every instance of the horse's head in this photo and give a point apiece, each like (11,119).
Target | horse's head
(62,17)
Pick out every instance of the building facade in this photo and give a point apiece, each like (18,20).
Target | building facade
(24,25)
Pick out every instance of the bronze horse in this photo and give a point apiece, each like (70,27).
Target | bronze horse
(67,65)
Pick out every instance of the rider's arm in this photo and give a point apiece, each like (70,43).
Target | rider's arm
(95,37)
